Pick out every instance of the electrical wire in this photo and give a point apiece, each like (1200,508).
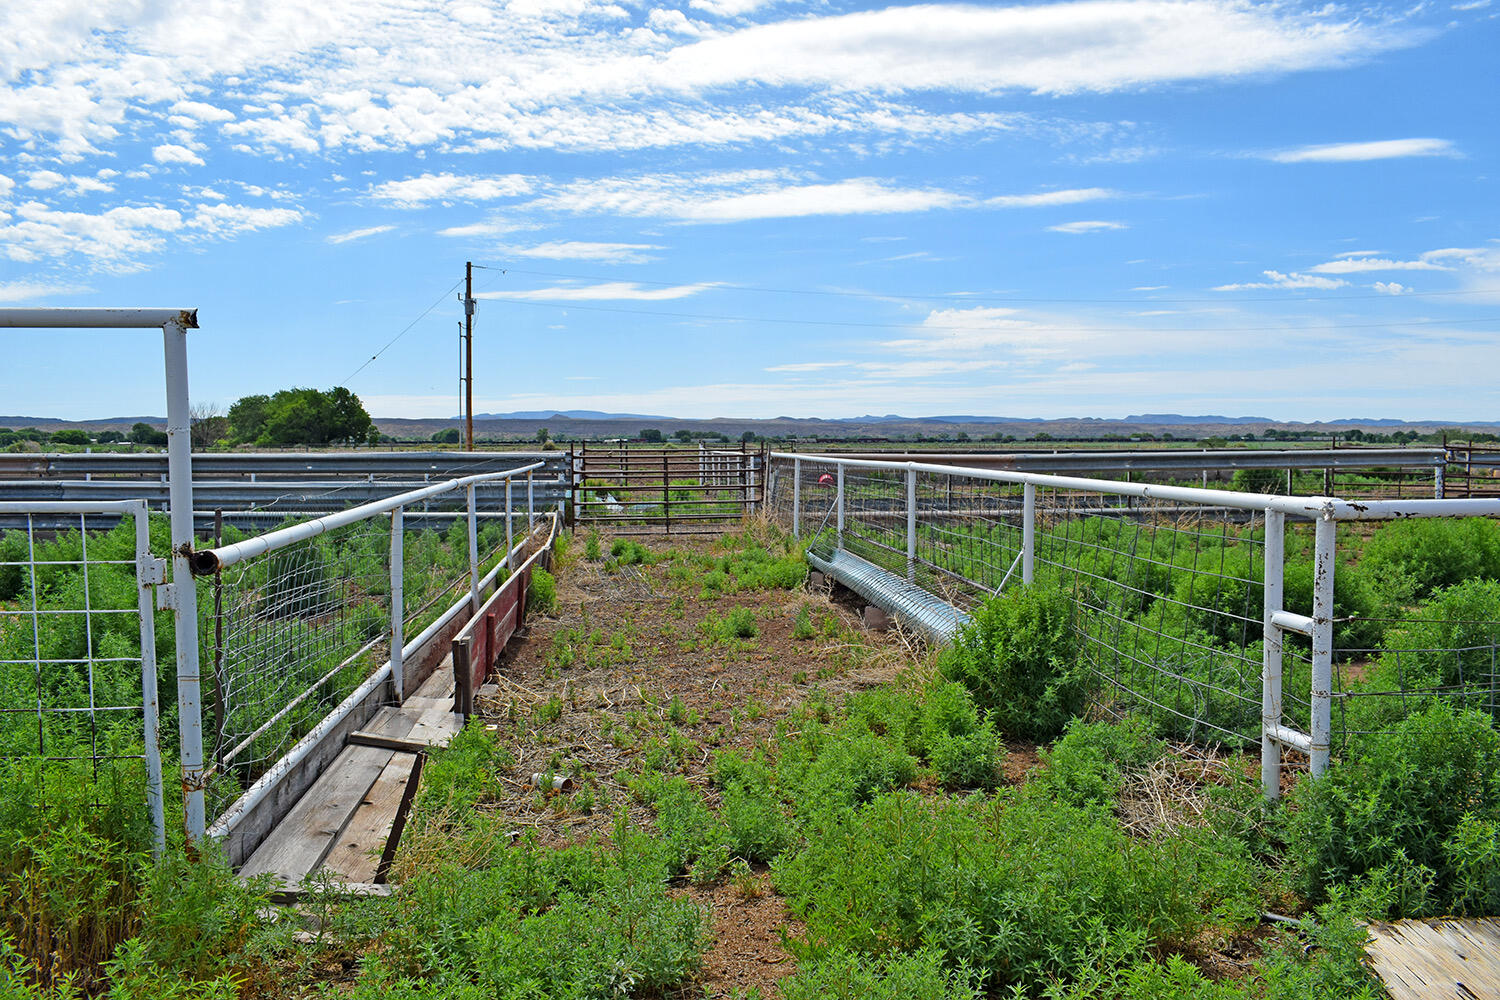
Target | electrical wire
(405,330)
(947,296)
(917,326)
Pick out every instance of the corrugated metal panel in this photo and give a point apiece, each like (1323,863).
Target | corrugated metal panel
(909,603)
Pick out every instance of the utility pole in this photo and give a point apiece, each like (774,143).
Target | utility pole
(469,355)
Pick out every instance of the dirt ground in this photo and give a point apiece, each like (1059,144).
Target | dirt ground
(645,679)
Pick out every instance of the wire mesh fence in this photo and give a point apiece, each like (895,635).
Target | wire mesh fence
(78,682)
(309,613)
(1170,594)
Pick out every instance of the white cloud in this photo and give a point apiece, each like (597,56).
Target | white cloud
(362,75)
(1358,265)
(358,234)
(809,366)
(173,153)
(43,180)
(606,291)
(1092,226)
(742,196)
(1072,196)
(1390,287)
(22,291)
(1350,152)
(1294,280)
(608,253)
(201,112)
(416,192)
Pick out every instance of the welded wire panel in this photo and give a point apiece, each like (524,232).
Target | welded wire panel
(73,715)
(1435,657)
(293,633)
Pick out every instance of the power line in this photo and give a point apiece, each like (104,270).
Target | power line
(405,330)
(950,296)
(963,329)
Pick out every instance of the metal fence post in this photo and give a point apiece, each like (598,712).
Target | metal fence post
(151,727)
(1437,482)
(1322,643)
(796,498)
(473,552)
(509,544)
(1028,532)
(398,604)
(839,500)
(530,500)
(184,592)
(911,524)
(1270,670)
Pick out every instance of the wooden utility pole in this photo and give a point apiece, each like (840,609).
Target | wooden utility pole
(469,355)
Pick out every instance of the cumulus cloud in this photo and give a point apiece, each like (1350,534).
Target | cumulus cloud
(1390,287)
(1352,152)
(173,153)
(358,234)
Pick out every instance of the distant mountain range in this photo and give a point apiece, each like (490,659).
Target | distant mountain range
(576,424)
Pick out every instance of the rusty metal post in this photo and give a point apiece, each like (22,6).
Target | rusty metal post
(510,543)
(666,495)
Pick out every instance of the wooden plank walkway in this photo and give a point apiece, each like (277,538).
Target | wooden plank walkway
(1437,959)
(344,820)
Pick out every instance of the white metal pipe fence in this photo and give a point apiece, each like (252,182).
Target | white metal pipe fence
(1212,609)
(316,611)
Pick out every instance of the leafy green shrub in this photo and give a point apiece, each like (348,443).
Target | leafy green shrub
(1395,808)
(844,975)
(591,550)
(627,552)
(1087,767)
(1022,887)
(1420,555)
(963,749)
(541,597)
(802,626)
(758,828)
(1452,642)
(1018,654)
(573,923)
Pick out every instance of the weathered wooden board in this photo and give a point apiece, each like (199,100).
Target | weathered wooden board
(356,854)
(1437,959)
(303,838)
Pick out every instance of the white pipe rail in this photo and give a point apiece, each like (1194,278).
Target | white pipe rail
(1310,507)
(206,561)
(97,319)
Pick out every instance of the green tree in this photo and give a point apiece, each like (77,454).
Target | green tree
(448,435)
(301,416)
(70,435)
(543,435)
(143,433)
(684,435)
(652,436)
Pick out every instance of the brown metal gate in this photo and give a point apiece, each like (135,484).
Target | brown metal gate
(656,488)
(1473,469)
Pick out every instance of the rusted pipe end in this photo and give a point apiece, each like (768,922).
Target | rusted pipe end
(203,562)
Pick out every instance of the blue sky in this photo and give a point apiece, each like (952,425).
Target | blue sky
(750,208)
